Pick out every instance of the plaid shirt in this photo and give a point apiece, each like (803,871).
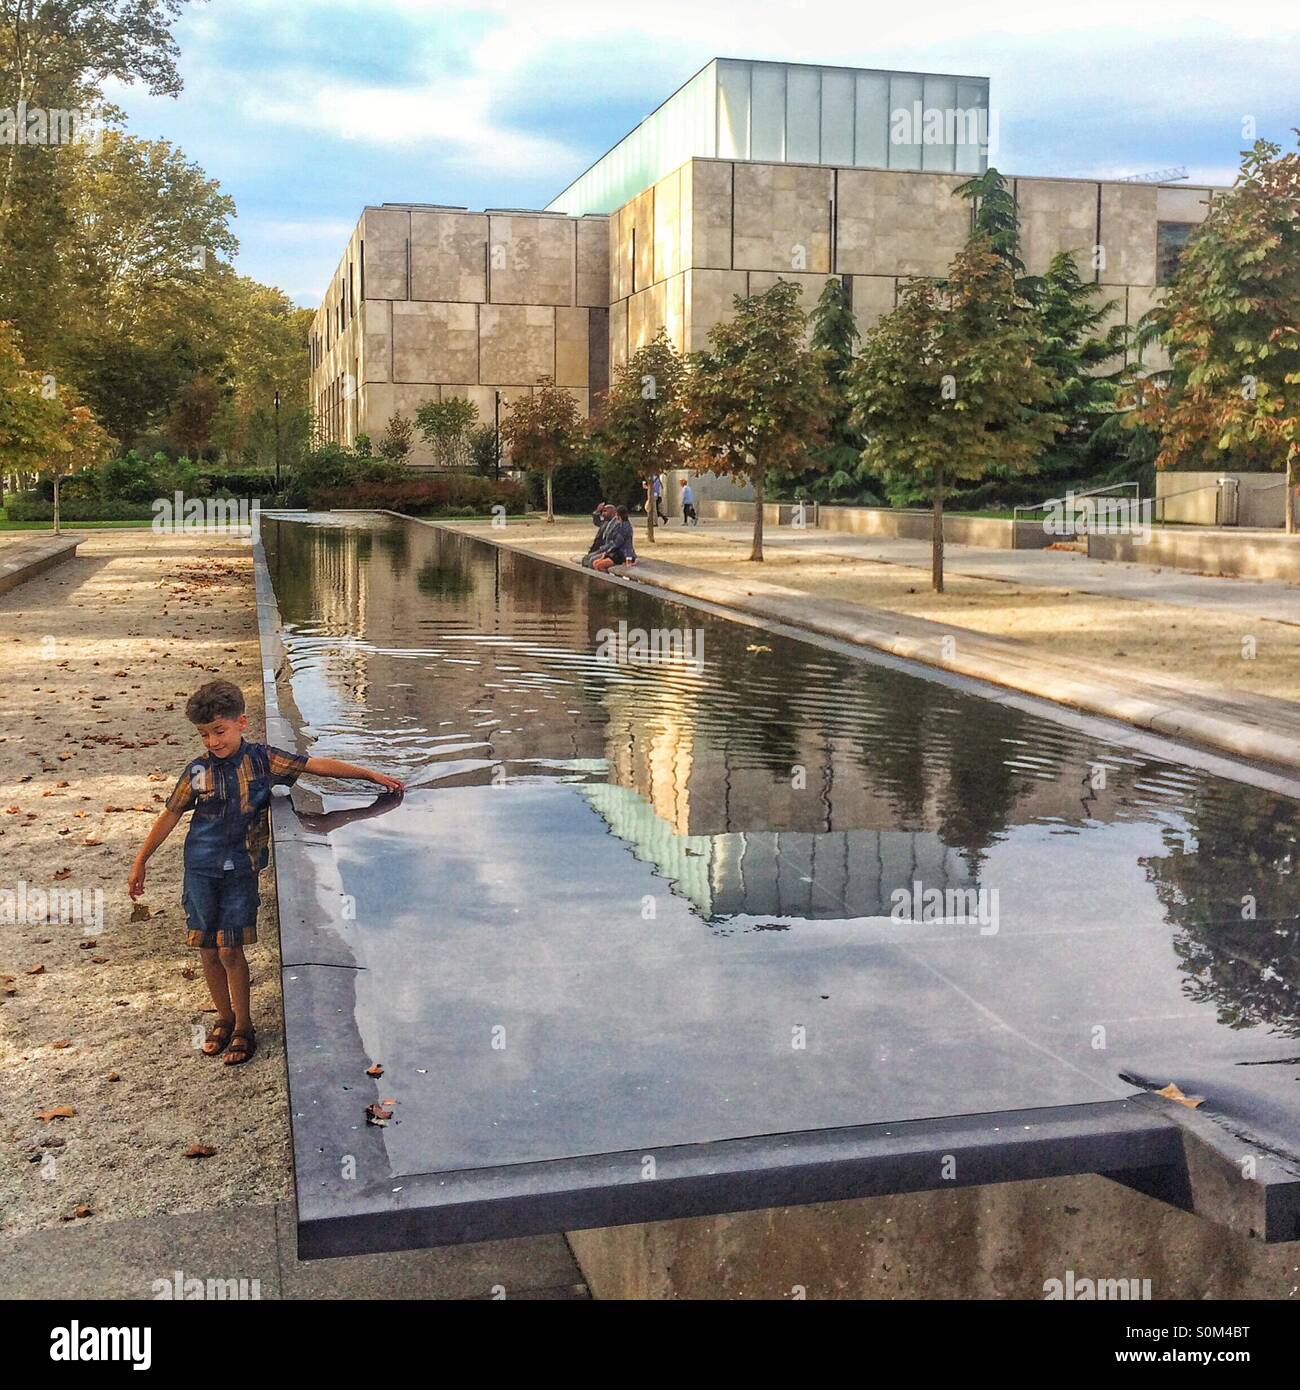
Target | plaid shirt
(231,827)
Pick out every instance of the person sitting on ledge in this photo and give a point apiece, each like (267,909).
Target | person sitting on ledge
(617,548)
(608,517)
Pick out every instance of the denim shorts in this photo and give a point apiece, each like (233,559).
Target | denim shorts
(220,911)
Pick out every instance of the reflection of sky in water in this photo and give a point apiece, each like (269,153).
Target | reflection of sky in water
(650,910)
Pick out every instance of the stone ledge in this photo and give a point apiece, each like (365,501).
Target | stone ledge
(26,559)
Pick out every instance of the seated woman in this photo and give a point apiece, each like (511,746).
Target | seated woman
(617,548)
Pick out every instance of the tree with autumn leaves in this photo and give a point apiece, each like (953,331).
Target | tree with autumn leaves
(1230,323)
(949,385)
(643,416)
(544,432)
(757,399)
(44,428)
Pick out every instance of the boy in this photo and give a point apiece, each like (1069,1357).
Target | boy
(229,791)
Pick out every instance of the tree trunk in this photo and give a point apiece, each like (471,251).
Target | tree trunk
(550,479)
(1290,497)
(57,484)
(936,552)
(651,510)
(757,552)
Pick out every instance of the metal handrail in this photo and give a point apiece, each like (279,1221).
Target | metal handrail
(1056,501)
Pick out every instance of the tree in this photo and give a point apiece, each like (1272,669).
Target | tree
(86,445)
(57,54)
(949,385)
(445,426)
(31,418)
(193,416)
(395,442)
(484,444)
(642,419)
(544,431)
(756,399)
(994,217)
(1230,325)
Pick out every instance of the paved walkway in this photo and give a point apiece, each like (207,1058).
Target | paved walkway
(1063,569)
(124,1259)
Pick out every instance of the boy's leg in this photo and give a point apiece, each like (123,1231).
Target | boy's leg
(234,967)
(215,975)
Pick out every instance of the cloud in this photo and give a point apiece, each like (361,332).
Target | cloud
(453,118)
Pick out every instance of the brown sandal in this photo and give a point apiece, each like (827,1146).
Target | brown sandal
(219,1034)
(241,1047)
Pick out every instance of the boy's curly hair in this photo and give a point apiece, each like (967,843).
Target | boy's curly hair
(215,700)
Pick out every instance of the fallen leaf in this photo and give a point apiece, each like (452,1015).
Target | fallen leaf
(112,1076)
(99,960)
(62,874)
(1171,1092)
(189,973)
(756,647)
(57,1112)
(61,1043)
(139,912)
(199,1151)
(377,1115)
(36,970)
(374,1069)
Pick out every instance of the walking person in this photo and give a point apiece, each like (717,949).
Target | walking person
(689,514)
(659,499)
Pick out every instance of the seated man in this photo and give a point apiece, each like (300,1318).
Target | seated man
(617,548)
(607,517)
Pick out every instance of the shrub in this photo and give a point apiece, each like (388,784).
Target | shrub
(31,506)
(460,494)
(576,488)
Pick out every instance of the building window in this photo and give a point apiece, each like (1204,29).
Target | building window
(1171,238)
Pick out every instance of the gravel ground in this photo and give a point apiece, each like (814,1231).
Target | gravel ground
(100,1015)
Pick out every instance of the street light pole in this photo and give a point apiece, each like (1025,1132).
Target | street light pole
(277,441)
(496,425)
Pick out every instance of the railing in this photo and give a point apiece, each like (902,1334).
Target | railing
(1069,524)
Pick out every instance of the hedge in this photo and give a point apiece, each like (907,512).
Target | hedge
(30,507)
(463,494)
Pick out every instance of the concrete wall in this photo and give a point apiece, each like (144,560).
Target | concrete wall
(1248,554)
(713,229)
(1002,1241)
(430,303)
(892,523)
(1198,499)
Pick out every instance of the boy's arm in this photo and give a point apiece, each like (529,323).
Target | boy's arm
(332,767)
(158,832)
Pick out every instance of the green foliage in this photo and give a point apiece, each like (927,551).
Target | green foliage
(994,217)
(1231,325)
(575,487)
(642,422)
(445,427)
(484,450)
(544,433)
(757,399)
(395,443)
(948,385)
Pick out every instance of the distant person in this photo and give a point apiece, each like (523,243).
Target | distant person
(600,516)
(618,548)
(658,487)
(229,791)
(689,513)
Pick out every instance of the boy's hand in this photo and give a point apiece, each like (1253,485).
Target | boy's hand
(388,783)
(135,881)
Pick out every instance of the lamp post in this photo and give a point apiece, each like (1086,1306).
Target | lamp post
(496,424)
(277,441)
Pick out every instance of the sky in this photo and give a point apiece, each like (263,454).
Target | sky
(306,112)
